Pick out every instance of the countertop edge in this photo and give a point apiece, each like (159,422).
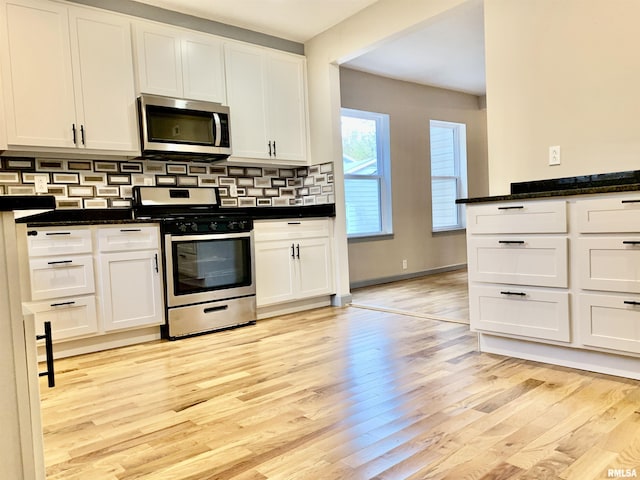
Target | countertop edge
(553,193)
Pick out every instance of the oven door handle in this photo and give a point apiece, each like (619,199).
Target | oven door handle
(216,309)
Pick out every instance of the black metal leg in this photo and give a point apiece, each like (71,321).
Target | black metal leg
(49,350)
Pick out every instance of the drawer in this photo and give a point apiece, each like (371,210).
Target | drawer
(61,276)
(525,312)
(610,321)
(610,263)
(69,317)
(290,229)
(609,215)
(58,241)
(538,261)
(522,217)
(133,237)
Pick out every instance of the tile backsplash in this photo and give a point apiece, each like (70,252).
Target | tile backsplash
(108,184)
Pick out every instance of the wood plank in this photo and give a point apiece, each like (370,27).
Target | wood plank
(336,393)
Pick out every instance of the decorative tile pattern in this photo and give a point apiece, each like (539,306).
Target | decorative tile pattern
(109,184)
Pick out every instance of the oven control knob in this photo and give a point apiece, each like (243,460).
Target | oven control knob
(182,227)
(213,226)
(194,227)
(232,225)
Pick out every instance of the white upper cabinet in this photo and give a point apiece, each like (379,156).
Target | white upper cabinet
(67,77)
(177,63)
(266,90)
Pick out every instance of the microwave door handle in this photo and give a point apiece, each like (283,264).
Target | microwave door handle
(218,132)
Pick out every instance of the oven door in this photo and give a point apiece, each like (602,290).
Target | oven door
(208,267)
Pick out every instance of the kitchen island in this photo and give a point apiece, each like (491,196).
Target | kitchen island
(554,272)
(21,451)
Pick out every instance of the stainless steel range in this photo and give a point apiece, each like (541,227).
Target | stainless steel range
(208,259)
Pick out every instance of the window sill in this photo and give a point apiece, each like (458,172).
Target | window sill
(449,230)
(371,237)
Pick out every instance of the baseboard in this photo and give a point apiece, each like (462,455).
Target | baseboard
(407,276)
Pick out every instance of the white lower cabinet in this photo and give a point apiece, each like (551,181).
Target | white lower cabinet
(610,321)
(294,260)
(565,287)
(70,317)
(95,280)
(131,290)
(610,263)
(525,312)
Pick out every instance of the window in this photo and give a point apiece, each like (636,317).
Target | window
(448,174)
(365,156)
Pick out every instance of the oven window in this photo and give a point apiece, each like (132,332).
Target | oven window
(203,265)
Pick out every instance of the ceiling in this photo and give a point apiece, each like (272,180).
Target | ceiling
(447,52)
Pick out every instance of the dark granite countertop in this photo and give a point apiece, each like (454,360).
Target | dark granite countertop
(561,187)
(66,217)
(9,203)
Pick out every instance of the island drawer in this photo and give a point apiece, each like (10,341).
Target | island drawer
(610,321)
(532,260)
(610,263)
(611,215)
(521,217)
(524,312)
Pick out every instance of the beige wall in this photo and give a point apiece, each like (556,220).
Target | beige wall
(561,72)
(381,21)
(410,107)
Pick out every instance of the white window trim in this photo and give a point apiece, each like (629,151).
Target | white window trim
(460,168)
(384,170)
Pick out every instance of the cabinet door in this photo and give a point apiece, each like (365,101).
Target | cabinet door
(104,84)
(131,294)
(314,262)
(286,106)
(158,60)
(275,276)
(245,73)
(37,74)
(202,69)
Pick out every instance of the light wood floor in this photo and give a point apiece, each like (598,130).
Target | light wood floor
(442,296)
(334,394)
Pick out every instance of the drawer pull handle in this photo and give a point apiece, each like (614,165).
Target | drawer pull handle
(631,302)
(631,242)
(512,242)
(62,304)
(32,233)
(519,294)
(59,262)
(216,309)
(630,201)
(294,223)
(58,233)
(125,230)
(519,207)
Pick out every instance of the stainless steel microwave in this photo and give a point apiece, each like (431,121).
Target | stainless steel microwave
(173,128)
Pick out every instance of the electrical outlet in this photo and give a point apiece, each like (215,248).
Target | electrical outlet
(41,182)
(554,155)
(404,264)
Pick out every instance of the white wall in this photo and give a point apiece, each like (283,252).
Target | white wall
(561,72)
